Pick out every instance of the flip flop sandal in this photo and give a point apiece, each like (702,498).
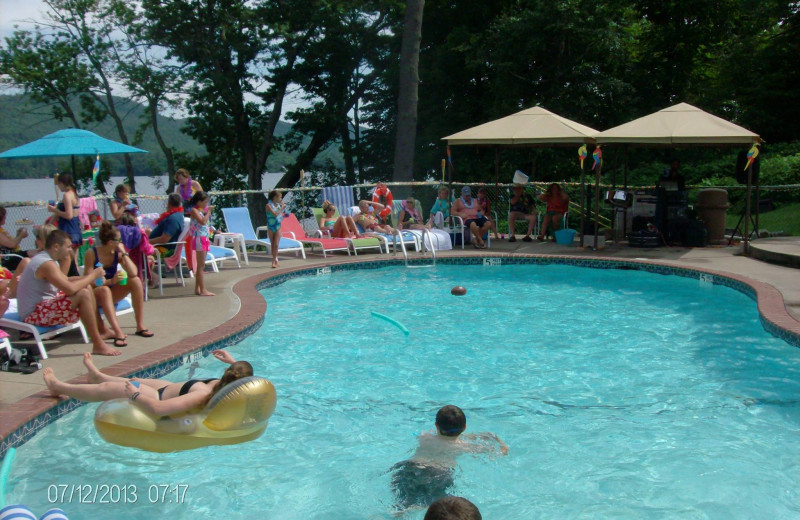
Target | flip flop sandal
(24,336)
(120,342)
(145,333)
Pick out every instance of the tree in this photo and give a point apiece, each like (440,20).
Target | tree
(408,82)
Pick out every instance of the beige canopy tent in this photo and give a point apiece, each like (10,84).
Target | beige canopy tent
(684,125)
(532,127)
(679,125)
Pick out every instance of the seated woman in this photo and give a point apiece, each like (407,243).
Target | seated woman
(369,221)
(440,211)
(486,209)
(110,255)
(122,203)
(154,396)
(9,244)
(410,217)
(138,246)
(339,227)
(557,204)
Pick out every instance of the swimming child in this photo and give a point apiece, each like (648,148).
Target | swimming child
(198,240)
(428,474)
(275,211)
(441,208)
(453,508)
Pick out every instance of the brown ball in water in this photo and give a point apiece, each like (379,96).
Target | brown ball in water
(458,291)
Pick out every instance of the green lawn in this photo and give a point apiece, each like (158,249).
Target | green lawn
(785,218)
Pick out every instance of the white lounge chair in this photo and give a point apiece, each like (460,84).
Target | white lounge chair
(11,320)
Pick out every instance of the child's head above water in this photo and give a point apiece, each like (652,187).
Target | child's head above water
(451,421)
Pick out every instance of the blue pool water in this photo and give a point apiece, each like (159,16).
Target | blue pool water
(621,394)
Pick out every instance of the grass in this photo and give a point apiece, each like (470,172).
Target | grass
(786,219)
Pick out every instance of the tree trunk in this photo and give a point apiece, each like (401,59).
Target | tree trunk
(408,94)
(153,108)
(347,151)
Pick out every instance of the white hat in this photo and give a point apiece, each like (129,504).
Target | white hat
(520,178)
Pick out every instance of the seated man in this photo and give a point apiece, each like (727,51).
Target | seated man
(523,207)
(169,225)
(47,298)
(467,208)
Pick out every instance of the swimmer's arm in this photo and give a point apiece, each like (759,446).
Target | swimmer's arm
(476,442)
(224,356)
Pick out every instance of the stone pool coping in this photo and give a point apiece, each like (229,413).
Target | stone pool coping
(22,420)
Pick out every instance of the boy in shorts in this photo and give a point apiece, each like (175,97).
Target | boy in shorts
(428,474)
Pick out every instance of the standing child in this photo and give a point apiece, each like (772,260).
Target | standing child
(275,211)
(198,239)
(67,210)
(427,476)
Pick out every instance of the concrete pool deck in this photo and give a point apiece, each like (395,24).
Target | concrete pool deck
(183,322)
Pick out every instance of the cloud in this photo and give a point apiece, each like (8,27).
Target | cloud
(14,12)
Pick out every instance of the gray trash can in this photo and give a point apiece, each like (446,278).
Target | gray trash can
(712,208)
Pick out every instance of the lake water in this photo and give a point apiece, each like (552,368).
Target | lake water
(17,190)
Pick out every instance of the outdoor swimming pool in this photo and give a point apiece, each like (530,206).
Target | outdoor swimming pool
(621,394)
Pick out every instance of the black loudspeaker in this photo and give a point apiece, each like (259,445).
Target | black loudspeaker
(741,172)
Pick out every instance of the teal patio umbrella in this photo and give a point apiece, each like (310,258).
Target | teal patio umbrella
(69,142)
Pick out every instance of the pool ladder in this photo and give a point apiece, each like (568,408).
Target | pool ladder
(425,231)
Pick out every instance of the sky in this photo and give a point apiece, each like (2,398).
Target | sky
(14,11)
(22,12)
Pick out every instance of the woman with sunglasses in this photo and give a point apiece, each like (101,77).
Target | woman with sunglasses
(338,227)
(116,284)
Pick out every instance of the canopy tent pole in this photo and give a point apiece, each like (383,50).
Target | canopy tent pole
(597,202)
(747,216)
(583,203)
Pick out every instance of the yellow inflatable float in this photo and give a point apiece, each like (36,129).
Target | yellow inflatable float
(237,413)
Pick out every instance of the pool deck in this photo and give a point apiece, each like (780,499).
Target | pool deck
(183,322)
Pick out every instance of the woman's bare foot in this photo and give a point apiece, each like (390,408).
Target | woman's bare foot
(51,381)
(205,293)
(105,350)
(93,374)
(274,265)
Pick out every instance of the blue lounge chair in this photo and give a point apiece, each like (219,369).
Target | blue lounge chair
(237,220)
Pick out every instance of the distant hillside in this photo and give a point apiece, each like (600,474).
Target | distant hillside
(23,121)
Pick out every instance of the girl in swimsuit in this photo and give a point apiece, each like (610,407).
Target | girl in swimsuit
(275,211)
(154,396)
(110,254)
(338,227)
(67,210)
(122,203)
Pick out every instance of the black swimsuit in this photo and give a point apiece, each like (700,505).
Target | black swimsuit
(185,387)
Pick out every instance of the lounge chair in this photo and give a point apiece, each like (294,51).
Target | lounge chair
(11,320)
(237,220)
(439,239)
(291,226)
(215,255)
(408,239)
